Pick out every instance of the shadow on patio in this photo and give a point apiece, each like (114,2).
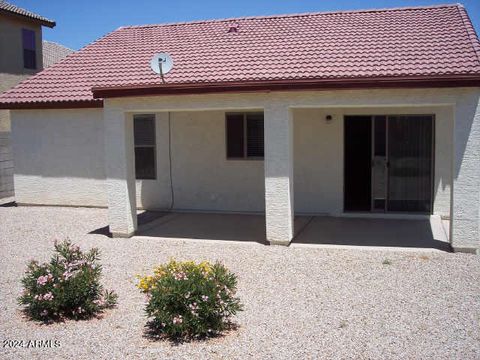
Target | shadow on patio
(319,230)
(421,233)
(227,227)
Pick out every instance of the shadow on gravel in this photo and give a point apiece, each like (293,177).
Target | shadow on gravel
(26,315)
(143,219)
(9,204)
(151,333)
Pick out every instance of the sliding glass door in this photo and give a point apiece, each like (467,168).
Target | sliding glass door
(389,163)
(410,145)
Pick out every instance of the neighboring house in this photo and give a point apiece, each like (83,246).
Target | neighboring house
(53,53)
(20,57)
(353,113)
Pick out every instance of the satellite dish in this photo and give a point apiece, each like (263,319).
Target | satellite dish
(161,63)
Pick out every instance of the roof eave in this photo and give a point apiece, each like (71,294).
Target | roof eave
(47,23)
(288,85)
(100,93)
(32,105)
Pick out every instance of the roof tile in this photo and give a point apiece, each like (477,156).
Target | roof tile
(423,41)
(12,9)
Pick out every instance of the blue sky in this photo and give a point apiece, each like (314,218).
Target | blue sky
(81,22)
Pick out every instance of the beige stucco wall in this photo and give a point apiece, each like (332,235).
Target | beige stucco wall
(11,46)
(318,159)
(59,157)
(203,178)
(12,72)
(279,177)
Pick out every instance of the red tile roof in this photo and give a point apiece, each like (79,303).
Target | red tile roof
(436,42)
(7,8)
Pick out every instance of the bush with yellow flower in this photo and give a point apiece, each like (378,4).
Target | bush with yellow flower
(190,300)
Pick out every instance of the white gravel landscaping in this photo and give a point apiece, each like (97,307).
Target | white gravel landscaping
(299,302)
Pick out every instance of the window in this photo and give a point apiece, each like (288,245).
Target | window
(29,52)
(144,140)
(244,135)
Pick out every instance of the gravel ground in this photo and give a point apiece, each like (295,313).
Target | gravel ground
(299,302)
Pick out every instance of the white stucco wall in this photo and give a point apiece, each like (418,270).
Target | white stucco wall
(203,178)
(59,153)
(318,159)
(58,157)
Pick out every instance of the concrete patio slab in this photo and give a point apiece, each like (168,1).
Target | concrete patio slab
(369,232)
(228,227)
(309,231)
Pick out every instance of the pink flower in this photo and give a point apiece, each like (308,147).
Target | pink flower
(44,313)
(99,302)
(42,280)
(204,297)
(48,296)
(67,274)
(180,276)
(177,320)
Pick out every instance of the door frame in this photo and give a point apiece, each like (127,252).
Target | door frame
(432,165)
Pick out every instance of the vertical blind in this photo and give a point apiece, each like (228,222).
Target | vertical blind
(410,141)
(255,147)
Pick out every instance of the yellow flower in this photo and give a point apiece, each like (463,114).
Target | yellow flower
(146,283)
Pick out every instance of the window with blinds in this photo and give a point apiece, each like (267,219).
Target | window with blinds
(145,147)
(244,135)
(29,49)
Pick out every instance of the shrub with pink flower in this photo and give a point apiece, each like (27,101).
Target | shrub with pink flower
(66,287)
(190,300)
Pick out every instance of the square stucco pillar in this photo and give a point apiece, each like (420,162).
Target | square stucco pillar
(120,174)
(279,212)
(465,201)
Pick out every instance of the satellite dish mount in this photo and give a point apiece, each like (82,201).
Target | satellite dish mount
(161,63)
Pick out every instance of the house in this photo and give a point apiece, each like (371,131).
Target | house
(53,53)
(20,57)
(369,113)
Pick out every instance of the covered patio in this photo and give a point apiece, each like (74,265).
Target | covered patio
(317,231)
(302,170)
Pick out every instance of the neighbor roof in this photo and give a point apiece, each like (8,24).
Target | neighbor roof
(10,9)
(434,45)
(53,52)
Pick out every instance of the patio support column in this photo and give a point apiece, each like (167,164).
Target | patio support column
(465,200)
(120,174)
(279,174)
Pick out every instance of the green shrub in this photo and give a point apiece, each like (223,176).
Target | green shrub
(188,300)
(66,287)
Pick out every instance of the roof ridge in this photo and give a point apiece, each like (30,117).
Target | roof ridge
(305,14)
